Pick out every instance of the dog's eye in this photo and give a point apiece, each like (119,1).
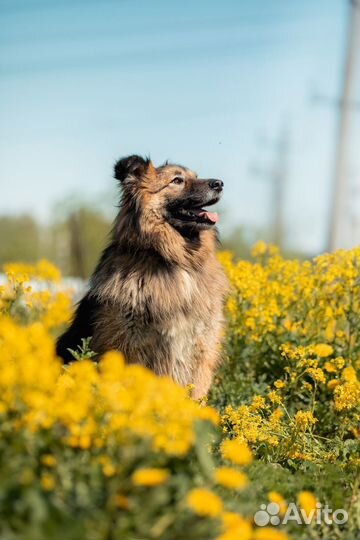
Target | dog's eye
(177,180)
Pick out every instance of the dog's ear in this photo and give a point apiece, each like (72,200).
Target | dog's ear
(130,166)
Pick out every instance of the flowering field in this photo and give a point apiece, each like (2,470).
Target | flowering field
(108,451)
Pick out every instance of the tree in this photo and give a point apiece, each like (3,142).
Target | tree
(20,239)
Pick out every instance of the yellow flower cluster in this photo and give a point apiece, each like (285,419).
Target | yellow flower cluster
(99,410)
(254,425)
(294,394)
(45,302)
(296,325)
(42,270)
(304,420)
(92,403)
(307,301)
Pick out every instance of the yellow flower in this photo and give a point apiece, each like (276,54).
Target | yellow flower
(204,502)
(307,501)
(149,477)
(109,469)
(348,374)
(288,325)
(237,452)
(329,367)
(121,501)
(274,397)
(262,248)
(333,384)
(347,395)
(210,414)
(307,386)
(275,418)
(235,527)
(339,362)
(259,248)
(48,460)
(230,478)
(84,441)
(323,350)
(47,271)
(58,310)
(112,366)
(258,402)
(316,374)
(267,533)
(47,482)
(250,323)
(275,497)
(304,420)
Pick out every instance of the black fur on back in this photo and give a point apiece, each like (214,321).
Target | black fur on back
(82,326)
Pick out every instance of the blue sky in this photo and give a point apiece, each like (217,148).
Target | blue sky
(205,83)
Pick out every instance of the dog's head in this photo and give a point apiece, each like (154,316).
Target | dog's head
(172,193)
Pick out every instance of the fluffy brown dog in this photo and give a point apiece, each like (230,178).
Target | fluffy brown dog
(157,293)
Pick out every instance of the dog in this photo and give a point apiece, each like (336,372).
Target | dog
(158,291)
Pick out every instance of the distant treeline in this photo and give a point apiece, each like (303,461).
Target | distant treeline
(74,240)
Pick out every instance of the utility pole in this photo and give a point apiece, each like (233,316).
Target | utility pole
(280,174)
(340,191)
(277,173)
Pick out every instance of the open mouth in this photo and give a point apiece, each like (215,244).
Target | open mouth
(189,212)
(199,215)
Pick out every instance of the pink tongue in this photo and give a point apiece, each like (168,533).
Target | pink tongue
(211,216)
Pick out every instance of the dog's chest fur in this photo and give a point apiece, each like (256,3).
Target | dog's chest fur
(159,317)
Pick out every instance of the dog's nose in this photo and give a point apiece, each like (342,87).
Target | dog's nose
(216,184)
